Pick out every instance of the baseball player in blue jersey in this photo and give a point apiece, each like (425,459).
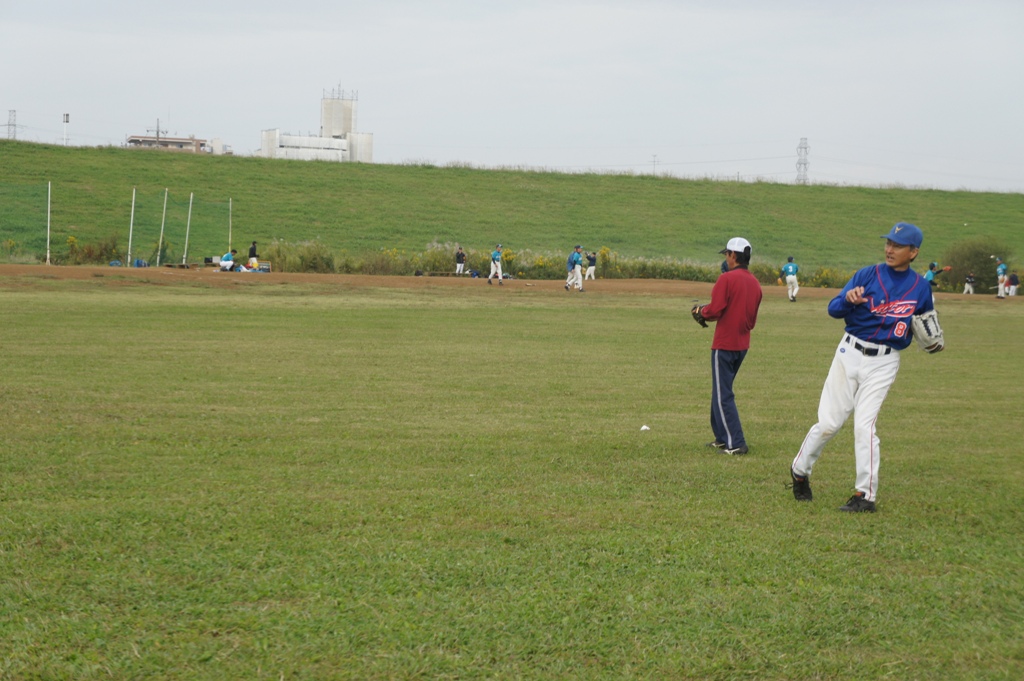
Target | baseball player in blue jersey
(1000,278)
(789,271)
(495,265)
(574,265)
(877,305)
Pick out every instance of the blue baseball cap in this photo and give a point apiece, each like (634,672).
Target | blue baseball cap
(905,234)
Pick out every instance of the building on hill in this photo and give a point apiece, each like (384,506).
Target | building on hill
(188,145)
(338,140)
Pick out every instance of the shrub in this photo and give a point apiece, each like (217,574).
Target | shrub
(99,253)
(827,277)
(974,255)
(315,256)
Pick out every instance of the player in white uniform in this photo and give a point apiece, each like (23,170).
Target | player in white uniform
(789,271)
(1001,278)
(574,267)
(495,265)
(877,305)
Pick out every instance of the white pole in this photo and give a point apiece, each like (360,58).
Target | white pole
(49,194)
(131,227)
(188,226)
(229,224)
(163,221)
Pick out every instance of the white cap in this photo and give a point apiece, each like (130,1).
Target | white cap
(737,244)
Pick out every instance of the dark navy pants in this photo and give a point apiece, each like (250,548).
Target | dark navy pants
(725,420)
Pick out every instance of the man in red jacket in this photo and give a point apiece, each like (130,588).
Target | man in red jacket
(735,300)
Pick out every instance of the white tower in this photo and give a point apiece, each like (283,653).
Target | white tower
(801,161)
(338,114)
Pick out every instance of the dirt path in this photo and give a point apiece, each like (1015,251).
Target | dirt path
(119,276)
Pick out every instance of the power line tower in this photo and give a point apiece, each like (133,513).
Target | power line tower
(12,124)
(801,161)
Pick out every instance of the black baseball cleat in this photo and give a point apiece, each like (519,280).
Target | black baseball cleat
(566,287)
(801,486)
(858,504)
(488,281)
(736,451)
(716,444)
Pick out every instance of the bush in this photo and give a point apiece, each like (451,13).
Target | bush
(974,255)
(315,256)
(98,253)
(827,277)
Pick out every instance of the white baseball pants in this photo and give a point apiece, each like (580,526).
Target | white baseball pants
(590,272)
(575,277)
(495,270)
(792,286)
(857,384)
(459,267)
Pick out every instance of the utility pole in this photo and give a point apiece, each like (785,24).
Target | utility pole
(654,164)
(67,119)
(801,161)
(157,131)
(12,124)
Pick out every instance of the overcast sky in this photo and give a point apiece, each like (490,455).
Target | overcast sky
(920,93)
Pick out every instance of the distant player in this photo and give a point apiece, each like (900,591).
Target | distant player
(877,305)
(591,265)
(1001,277)
(1012,281)
(227,261)
(460,261)
(495,265)
(969,284)
(574,265)
(789,271)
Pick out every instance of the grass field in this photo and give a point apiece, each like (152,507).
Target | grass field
(366,208)
(324,480)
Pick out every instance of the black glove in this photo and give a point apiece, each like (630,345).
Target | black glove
(698,317)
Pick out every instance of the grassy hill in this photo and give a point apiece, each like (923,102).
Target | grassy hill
(358,208)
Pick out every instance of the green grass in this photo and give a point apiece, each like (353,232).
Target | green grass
(359,209)
(313,481)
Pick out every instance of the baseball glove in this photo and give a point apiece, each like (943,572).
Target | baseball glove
(947,268)
(779,281)
(698,317)
(927,331)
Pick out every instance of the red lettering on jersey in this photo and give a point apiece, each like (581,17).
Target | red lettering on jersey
(900,329)
(898,308)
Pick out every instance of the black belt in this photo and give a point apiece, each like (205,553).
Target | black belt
(867,352)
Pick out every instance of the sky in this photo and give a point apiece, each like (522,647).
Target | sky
(913,93)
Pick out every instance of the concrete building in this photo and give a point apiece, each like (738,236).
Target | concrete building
(337,141)
(190,145)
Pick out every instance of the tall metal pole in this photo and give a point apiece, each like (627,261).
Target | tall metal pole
(49,194)
(163,221)
(131,228)
(188,226)
(801,161)
(229,224)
